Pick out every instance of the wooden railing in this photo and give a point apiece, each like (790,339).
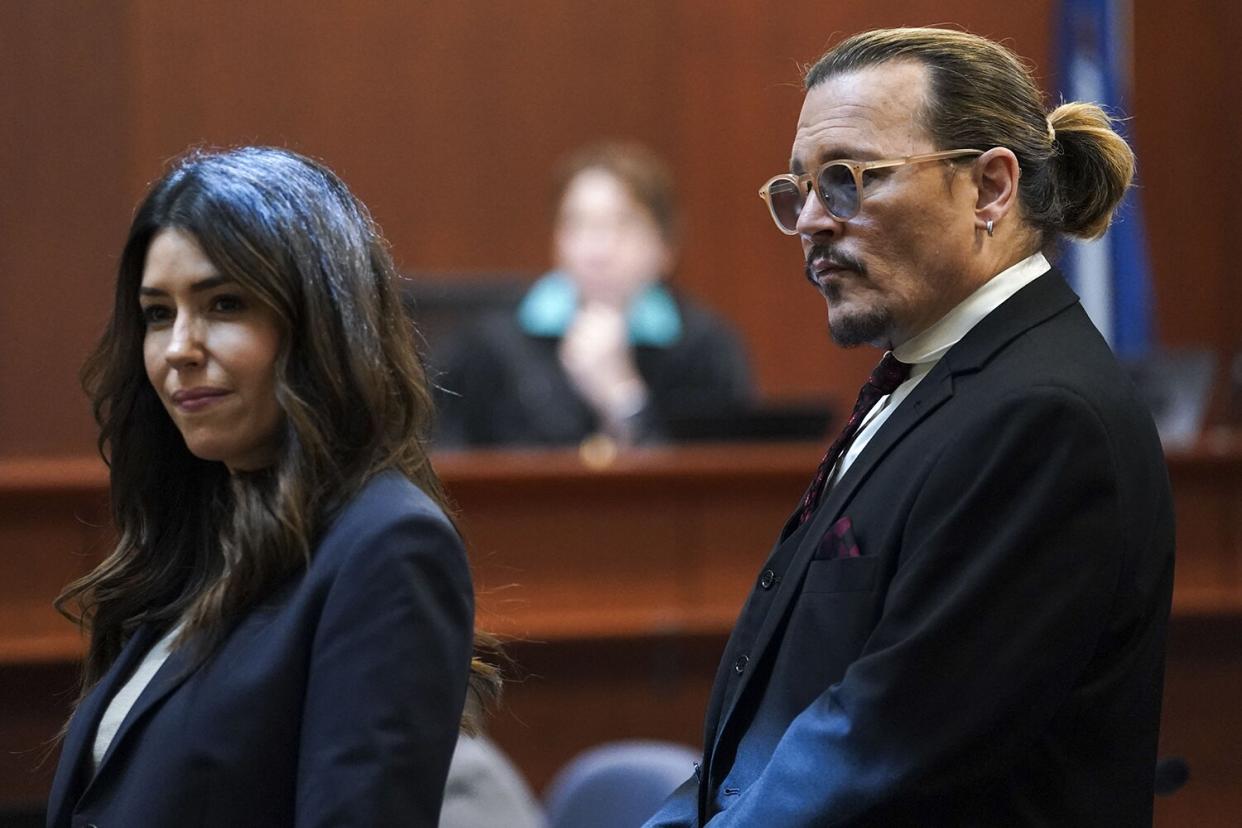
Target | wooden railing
(617,584)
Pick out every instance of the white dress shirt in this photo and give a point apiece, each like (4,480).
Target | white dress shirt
(923,351)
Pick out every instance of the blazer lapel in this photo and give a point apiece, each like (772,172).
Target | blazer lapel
(1035,303)
(73,771)
(932,392)
(169,677)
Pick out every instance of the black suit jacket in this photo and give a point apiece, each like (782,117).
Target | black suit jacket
(970,630)
(336,702)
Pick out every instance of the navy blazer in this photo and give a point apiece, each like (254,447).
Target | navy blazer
(335,702)
(970,629)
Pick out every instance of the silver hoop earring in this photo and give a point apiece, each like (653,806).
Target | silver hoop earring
(989,225)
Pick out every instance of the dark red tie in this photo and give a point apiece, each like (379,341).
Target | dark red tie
(889,374)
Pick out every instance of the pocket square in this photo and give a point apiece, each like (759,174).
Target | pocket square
(838,541)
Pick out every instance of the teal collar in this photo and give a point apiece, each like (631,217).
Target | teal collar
(549,307)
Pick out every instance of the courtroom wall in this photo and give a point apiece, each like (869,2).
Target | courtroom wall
(446,117)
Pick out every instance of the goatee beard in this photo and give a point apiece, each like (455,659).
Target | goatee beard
(863,328)
(869,327)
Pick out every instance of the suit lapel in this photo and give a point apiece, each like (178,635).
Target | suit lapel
(930,394)
(933,391)
(1035,303)
(73,772)
(175,669)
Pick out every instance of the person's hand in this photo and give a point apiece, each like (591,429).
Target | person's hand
(597,357)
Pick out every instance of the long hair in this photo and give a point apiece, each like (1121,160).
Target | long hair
(1075,167)
(195,542)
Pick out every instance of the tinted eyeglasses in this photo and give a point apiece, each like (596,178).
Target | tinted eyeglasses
(838,184)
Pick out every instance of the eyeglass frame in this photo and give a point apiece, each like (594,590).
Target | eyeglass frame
(857,168)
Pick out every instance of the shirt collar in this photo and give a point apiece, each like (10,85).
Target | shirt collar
(930,345)
(549,306)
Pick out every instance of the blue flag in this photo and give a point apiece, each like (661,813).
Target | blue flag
(1111,274)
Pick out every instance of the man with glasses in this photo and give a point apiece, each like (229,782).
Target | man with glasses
(963,620)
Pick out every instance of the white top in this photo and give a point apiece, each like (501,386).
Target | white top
(124,699)
(926,349)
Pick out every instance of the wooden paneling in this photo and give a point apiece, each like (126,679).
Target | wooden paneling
(53,530)
(446,118)
(1208,500)
(1203,680)
(617,588)
(1186,63)
(540,526)
(35,702)
(63,85)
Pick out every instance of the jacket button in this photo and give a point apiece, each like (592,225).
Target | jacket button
(739,666)
(767,579)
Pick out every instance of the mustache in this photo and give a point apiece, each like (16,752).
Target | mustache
(833,257)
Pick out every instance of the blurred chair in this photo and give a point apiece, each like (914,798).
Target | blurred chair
(618,784)
(1172,772)
(444,303)
(1177,386)
(485,789)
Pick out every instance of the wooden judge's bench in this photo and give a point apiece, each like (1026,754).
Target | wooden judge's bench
(616,582)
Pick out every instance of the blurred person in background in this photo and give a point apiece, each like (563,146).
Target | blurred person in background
(602,345)
(283,633)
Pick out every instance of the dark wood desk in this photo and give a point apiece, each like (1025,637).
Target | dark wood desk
(618,586)
(657,543)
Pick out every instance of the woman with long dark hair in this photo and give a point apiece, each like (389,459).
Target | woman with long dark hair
(283,633)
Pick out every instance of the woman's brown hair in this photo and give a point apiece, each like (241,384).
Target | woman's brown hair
(647,178)
(195,542)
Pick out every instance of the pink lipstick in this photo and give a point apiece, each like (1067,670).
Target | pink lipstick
(197,399)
